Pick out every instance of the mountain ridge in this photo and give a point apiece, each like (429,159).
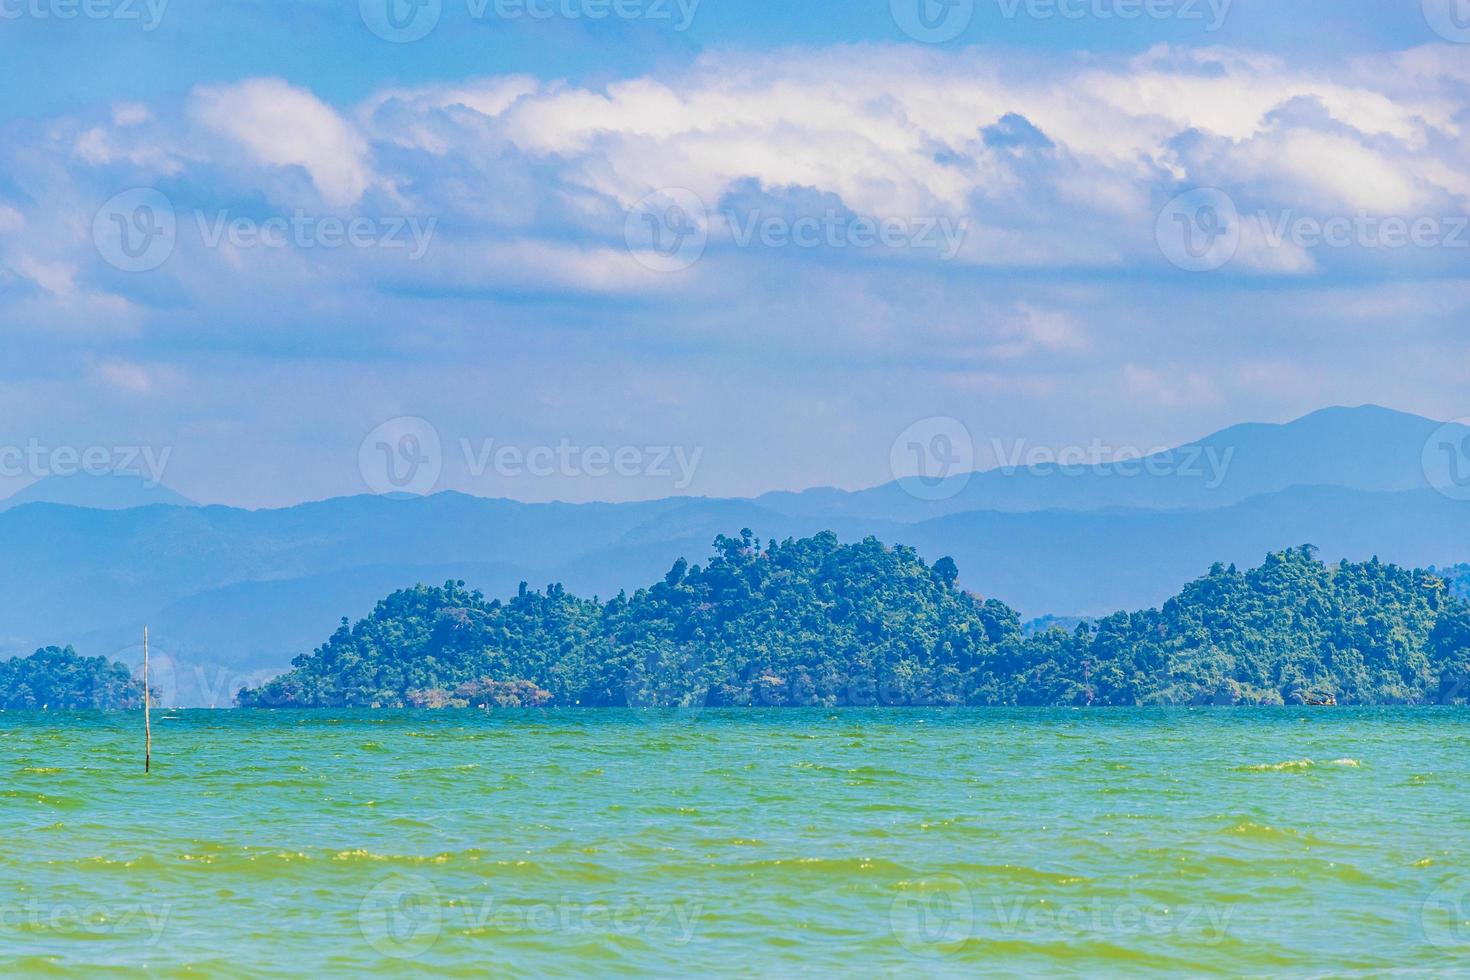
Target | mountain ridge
(245,590)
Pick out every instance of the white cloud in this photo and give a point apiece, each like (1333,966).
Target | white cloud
(894,133)
(529,182)
(130,114)
(1169,388)
(546,170)
(134,379)
(56,278)
(278,124)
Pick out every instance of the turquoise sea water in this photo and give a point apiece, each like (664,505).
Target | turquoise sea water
(942,842)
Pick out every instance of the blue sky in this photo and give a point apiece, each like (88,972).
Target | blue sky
(1066,226)
(55,65)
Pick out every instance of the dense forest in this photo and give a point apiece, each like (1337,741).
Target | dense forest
(60,678)
(814,622)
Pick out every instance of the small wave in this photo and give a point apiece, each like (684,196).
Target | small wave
(1294,765)
(1299,765)
(1250,828)
(59,802)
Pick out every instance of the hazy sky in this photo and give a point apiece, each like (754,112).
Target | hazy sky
(521,247)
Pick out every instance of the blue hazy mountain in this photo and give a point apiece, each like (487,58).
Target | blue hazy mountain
(1090,563)
(108,492)
(247,590)
(105,574)
(1365,448)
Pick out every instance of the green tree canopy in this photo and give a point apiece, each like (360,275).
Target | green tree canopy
(817,622)
(56,677)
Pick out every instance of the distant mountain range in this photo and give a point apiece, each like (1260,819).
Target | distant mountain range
(106,492)
(1365,448)
(233,594)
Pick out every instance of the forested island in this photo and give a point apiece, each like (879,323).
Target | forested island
(814,622)
(56,677)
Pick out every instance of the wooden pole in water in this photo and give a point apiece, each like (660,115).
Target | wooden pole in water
(147,719)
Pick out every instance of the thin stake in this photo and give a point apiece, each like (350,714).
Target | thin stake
(147,720)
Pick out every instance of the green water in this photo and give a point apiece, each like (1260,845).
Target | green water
(1017,842)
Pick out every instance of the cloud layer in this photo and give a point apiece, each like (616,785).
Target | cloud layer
(864,235)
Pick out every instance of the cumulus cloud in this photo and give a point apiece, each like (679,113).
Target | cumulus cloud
(1049,188)
(128,377)
(1063,172)
(278,124)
